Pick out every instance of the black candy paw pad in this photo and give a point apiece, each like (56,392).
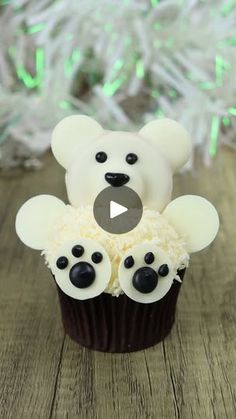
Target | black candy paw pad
(145,279)
(81,274)
(144,275)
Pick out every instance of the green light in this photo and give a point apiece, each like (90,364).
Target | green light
(75,56)
(172,93)
(231,41)
(154,2)
(215,126)
(159,113)
(128,40)
(118,64)
(157,26)
(64,104)
(25,77)
(207,85)
(169,43)
(67,68)
(220,67)
(111,88)
(39,62)
(69,36)
(108,27)
(191,76)
(226,121)
(35,28)
(155,94)
(232,111)
(140,72)
(29,81)
(70,62)
(227,9)
(5,2)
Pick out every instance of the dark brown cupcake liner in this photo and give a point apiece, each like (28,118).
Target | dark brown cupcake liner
(119,324)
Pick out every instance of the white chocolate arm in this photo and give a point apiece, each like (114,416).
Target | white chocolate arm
(35,219)
(195,218)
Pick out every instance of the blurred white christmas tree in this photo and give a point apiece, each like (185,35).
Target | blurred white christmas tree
(122,62)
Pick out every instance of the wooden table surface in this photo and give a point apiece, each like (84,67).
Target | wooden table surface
(192,374)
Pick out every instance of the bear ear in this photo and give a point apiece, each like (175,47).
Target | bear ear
(35,219)
(195,218)
(70,133)
(171,138)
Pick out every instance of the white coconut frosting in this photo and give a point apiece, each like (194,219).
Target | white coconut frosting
(79,222)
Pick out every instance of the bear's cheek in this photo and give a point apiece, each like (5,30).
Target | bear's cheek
(84,184)
(136,181)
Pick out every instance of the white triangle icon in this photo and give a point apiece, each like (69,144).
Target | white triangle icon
(116,209)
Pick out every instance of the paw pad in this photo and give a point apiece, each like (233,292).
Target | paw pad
(146,273)
(82,270)
(77,250)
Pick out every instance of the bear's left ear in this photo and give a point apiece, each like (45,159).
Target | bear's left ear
(171,138)
(195,218)
(71,132)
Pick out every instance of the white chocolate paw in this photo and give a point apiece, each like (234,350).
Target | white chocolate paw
(36,218)
(82,269)
(146,273)
(195,218)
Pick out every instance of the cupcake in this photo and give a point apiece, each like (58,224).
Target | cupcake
(118,292)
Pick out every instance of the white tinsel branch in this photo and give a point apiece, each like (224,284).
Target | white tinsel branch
(104,58)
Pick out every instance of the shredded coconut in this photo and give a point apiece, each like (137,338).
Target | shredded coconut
(153,227)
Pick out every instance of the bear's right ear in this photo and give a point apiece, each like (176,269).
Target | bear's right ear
(35,220)
(70,133)
(171,138)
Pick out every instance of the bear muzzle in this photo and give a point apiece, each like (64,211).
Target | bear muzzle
(117,179)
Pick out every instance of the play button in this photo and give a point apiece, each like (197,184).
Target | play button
(118,210)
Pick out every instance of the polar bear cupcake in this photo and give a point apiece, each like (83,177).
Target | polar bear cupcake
(118,292)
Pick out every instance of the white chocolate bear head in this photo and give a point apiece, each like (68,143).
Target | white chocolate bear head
(95,159)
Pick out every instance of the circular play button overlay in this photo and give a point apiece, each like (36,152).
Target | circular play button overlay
(118,210)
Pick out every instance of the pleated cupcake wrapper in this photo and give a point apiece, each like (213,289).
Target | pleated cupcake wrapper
(118,324)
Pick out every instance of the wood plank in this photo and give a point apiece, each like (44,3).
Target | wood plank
(30,331)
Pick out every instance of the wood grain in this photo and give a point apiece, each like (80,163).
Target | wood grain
(43,374)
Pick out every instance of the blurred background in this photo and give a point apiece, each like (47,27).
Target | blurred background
(122,62)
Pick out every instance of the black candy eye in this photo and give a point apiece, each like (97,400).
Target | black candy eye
(97,257)
(163,270)
(101,157)
(129,262)
(77,251)
(131,158)
(149,258)
(62,262)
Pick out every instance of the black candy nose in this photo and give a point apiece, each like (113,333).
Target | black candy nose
(145,280)
(82,275)
(116,179)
